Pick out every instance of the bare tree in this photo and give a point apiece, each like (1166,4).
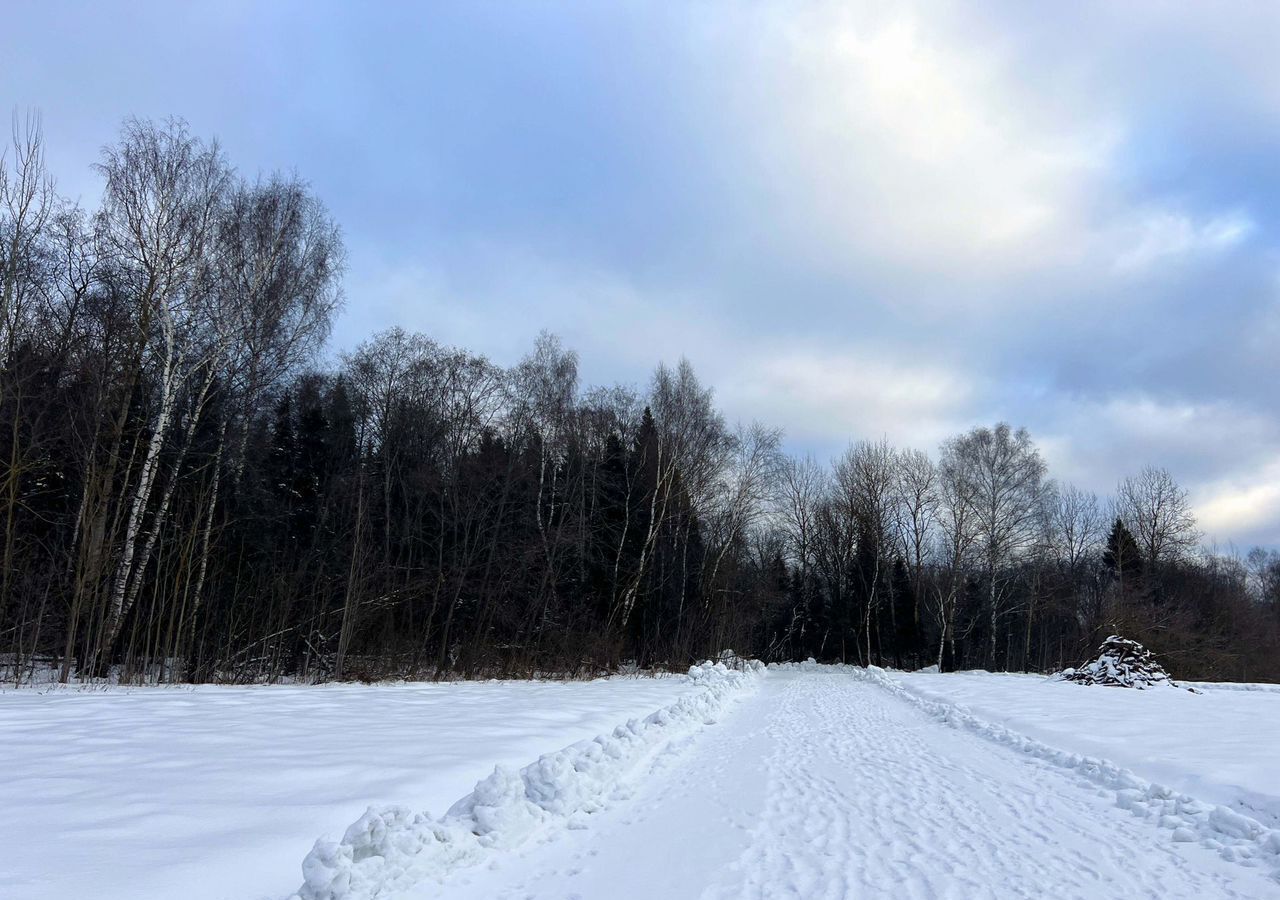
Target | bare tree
(691,451)
(28,208)
(1264,575)
(1007,497)
(27,204)
(163,194)
(957,542)
(803,484)
(279,260)
(866,477)
(835,548)
(917,510)
(545,388)
(802,487)
(750,480)
(181,496)
(1077,527)
(1158,513)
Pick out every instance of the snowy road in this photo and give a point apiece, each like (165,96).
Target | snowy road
(824,785)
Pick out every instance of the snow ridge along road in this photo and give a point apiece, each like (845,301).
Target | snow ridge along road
(1236,837)
(829,783)
(391,849)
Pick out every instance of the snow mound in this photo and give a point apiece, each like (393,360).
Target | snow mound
(392,848)
(1255,687)
(1235,837)
(1120,663)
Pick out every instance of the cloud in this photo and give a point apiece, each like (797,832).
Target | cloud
(883,136)
(1095,441)
(1246,505)
(856,219)
(496,297)
(826,398)
(1162,236)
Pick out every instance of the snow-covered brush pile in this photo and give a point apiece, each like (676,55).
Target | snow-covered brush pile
(1120,663)
(392,848)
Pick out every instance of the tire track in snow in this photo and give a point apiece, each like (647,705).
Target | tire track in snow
(870,798)
(1234,836)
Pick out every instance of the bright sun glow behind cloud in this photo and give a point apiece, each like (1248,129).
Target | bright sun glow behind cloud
(895,143)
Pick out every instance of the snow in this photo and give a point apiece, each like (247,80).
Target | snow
(1219,746)
(391,849)
(217,793)
(1233,686)
(812,782)
(830,783)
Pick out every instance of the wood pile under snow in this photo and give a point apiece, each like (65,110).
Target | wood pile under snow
(1120,663)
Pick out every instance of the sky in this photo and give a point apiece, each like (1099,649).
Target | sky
(856,219)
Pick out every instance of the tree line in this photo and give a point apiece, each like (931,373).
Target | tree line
(187,494)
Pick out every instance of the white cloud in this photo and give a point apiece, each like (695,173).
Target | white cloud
(1244,503)
(494,298)
(1162,236)
(825,397)
(914,183)
(1224,454)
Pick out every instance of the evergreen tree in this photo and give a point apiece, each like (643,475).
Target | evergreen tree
(1122,556)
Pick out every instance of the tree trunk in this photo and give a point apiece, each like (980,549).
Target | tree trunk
(142,495)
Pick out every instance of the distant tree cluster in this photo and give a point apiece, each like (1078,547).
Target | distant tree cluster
(184,495)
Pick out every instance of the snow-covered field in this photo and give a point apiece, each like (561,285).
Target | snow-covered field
(217,793)
(1221,746)
(805,782)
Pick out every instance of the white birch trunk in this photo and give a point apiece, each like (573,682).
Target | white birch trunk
(168,396)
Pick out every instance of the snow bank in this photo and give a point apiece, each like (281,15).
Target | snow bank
(1236,837)
(391,848)
(216,792)
(1255,687)
(1218,745)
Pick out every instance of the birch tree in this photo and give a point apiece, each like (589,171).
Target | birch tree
(957,540)
(750,480)
(279,260)
(1007,498)
(546,386)
(163,193)
(691,449)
